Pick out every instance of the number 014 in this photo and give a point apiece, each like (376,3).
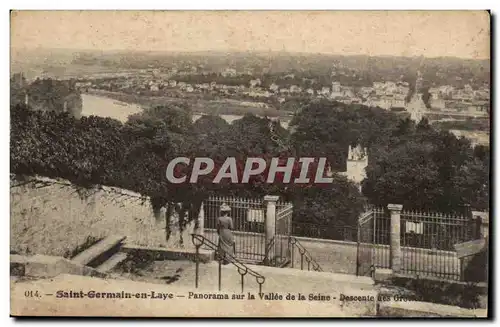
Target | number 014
(31,294)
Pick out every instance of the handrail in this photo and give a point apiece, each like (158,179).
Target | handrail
(200,240)
(303,254)
(268,250)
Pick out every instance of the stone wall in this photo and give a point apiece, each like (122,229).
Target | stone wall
(53,217)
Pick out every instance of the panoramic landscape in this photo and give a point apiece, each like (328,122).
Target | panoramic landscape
(402,138)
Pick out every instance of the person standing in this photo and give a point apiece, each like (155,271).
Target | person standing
(225,232)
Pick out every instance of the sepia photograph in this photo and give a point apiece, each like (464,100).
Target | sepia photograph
(250,164)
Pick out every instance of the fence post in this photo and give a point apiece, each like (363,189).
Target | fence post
(484,218)
(270,201)
(395,248)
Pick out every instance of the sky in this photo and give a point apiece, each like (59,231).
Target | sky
(463,34)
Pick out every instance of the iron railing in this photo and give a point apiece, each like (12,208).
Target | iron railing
(277,254)
(365,258)
(428,239)
(199,241)
(248,215)
(304,254)
(269,258)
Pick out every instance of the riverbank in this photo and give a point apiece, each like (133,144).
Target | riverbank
(95,105)
(104,106)
(198,105)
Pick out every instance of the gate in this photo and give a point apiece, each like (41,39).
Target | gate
(365,263)
(283,231)
(248,225)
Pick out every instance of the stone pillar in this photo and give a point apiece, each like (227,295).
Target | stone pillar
(395,248)
(485,221)
(270,222)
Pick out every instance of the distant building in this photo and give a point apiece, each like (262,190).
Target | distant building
(357,161)
(19,80)
(419,84)
(325,90)
(255,82)
(295,89)
(336,88)
(229,72)
(274,87)
(356,164)
(438,103)
(416,107)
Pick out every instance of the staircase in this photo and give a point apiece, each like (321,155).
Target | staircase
(104,255)
(242,268)
(306,259)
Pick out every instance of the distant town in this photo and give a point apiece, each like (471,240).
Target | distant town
(243,88)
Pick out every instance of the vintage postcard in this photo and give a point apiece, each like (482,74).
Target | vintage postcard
(250,163)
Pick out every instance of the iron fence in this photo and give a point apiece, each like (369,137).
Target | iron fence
(381,237)
(283,231)
(428,239)
(434,230)
(365,265)
(248,216)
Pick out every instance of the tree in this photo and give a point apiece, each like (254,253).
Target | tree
(325,128)
(427,169)
(414,165)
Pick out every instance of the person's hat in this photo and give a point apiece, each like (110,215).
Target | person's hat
(225,207)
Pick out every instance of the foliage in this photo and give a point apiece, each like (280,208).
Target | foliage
(338,204)
(57,145)
(94,150)
(442,292)
(416,166)
(413,165)
(324,128)
(470,124)
(424,168)
(48,94)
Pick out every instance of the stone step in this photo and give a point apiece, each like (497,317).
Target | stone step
(282,279)
(112,262)
(99,249)
(167,253)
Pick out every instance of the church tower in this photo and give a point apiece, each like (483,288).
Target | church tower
(419,83)
(357,161)
(416,106)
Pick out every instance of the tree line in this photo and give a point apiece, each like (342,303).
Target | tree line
(410,164)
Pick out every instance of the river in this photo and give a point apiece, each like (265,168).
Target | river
(106,107)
